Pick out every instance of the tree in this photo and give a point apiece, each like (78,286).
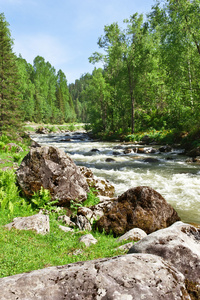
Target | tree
(9,81)
(45,80)
(26,88)
(126,64)
(64,101)
(177,23)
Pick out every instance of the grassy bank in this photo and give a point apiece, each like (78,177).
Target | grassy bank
(53,128)
(23,251)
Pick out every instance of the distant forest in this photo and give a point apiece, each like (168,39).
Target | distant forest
(150,76)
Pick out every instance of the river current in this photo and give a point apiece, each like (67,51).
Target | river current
(168,173)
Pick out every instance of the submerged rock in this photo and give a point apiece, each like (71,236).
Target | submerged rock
(52,169)
(140,207)
(129,277)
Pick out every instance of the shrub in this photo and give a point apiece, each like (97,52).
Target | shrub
(9,193)
(42,199)
(92,199)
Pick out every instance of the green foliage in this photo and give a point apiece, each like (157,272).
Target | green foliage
(9,193)
(4,139)
(92,199)
(159,136)
(24,251)
(10,117)
(72,127)
(74,205)
(42,200)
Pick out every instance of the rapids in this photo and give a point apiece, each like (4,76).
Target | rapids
(170,175)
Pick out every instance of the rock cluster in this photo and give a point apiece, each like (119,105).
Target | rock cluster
(102,186)
(163,265)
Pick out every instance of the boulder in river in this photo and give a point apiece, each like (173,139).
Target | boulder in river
(134,276)
(140,207)
(52,169)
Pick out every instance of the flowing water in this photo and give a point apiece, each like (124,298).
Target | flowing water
(169,174)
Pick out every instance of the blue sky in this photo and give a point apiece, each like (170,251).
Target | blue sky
(65,32)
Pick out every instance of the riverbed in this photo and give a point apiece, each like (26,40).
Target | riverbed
(168,173)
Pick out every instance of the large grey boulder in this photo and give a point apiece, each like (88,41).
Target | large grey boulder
(140,207)
(52,169)
(179,245)
(38,223)
(130,277)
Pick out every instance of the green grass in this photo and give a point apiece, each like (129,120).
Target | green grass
(24,251)
(162,136)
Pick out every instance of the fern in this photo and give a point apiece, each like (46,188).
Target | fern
(42,199)
(9,193)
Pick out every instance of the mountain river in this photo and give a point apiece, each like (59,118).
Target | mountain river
(168,173)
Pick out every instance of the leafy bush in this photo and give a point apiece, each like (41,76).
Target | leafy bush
(71,127)
(5,139)
(92,199)
(17,157)
(74,205)
(2,145)
(9,193)
(42,199)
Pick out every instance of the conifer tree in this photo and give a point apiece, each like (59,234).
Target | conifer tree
(9,94)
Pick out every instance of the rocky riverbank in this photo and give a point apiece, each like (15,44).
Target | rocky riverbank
(168,266)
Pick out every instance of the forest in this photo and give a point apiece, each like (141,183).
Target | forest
(150,77)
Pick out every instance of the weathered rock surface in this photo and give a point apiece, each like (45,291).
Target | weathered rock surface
(52,169)
(125,247)
(66,220)
(140,207)
(38,223)
(66,229)
(42,130)
(130,277)
(179,245)
(165,148)
(135,234)
(95,212)
(88,239)
(102,186)
(151,160)
(83,223)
